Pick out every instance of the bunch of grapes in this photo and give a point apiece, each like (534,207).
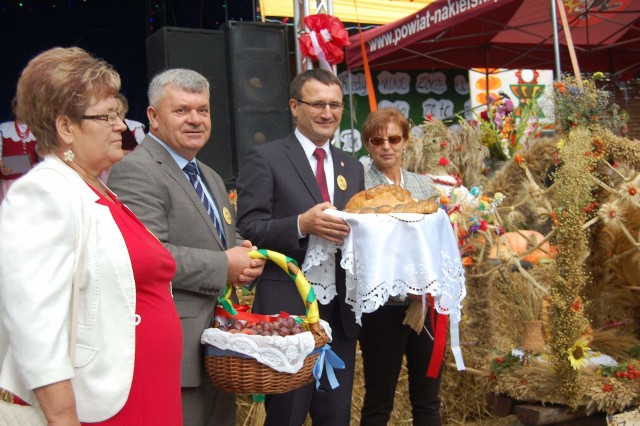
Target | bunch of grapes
(280,327)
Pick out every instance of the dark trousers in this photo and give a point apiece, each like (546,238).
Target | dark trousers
(384,340)
(327,407)
(206,405)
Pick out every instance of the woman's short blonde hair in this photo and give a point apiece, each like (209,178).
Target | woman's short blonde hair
(376,123)
(61,82)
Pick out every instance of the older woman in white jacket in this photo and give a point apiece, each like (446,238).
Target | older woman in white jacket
(61,227)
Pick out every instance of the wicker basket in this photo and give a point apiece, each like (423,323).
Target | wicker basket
(246,375)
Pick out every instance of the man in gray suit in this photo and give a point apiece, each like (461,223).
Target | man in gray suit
(185,204)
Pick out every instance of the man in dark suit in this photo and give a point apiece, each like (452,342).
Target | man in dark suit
(193,220)
(280,204)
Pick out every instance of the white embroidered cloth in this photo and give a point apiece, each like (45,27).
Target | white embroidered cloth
(282,353)
(393,255)
(319,268)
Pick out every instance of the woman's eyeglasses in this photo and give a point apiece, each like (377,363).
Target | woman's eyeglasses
(110,117)
(379,140)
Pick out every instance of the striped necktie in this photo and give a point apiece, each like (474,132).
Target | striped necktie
(192,171)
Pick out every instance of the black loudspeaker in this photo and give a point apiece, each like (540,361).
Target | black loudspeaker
(258,63)
(203,51)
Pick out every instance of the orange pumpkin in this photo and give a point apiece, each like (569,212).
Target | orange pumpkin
(520,242)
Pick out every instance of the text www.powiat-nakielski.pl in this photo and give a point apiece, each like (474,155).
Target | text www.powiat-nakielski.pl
(424,21)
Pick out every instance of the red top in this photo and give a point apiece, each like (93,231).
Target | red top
(154,398)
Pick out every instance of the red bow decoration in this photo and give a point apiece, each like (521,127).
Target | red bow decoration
(325,39)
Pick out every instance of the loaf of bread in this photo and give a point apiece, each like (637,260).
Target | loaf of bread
(388,199)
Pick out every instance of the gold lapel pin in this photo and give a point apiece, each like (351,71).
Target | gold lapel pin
(227,215)
(342,183)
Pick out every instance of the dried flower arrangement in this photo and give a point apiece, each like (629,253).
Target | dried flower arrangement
(587,105)
(504,133)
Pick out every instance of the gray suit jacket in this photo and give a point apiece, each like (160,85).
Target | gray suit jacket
(151,184)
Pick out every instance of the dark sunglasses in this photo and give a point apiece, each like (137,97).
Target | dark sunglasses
(379,140)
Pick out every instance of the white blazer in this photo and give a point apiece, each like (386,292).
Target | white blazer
(51,229)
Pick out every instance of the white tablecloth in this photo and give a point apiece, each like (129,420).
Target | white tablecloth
(392,255)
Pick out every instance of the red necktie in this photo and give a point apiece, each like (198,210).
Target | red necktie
(320,155)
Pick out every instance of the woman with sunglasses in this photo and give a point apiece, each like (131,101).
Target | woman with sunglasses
(88,331)
(384,340)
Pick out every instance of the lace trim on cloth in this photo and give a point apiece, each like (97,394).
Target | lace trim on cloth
(447,289)
(453,288)
(429,262)
(391,255)
(319,267)
(282,353)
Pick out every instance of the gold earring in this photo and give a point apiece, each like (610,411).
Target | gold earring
(69,155)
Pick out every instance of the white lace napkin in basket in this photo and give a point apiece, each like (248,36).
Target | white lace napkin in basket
(282,353)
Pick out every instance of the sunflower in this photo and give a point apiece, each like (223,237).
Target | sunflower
(578,354)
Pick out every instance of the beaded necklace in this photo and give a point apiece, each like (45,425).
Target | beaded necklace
(22,135)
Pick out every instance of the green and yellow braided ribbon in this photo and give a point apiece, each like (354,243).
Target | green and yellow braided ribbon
(290,266)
